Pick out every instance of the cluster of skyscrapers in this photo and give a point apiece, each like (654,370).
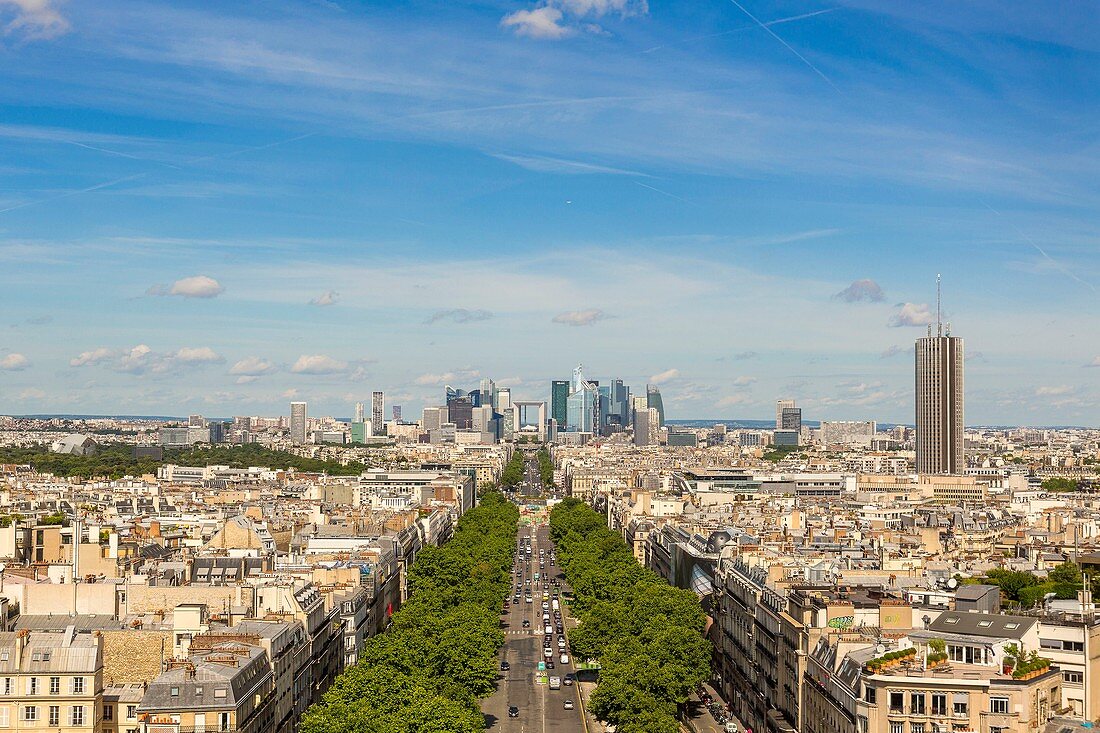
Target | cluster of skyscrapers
(585,406)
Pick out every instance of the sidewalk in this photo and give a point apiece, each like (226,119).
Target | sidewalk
(698,718)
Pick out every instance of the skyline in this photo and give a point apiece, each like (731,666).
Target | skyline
(223,213)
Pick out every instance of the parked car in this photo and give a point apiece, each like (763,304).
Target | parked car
(513,712)
(568,704)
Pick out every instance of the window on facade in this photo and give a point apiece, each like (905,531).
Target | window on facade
(55,685)
(998,705)
(78,685)
(1074,678)
(960,704)
(5,717)
(30,713)
(131,711)
(916,728)
(219,692)
(7,685)
(916,703)
(869,694)
(76,715)
(55,715)
(32,685)
(897,727)
(108,712)
(223,721)
(897,702)
(939,703)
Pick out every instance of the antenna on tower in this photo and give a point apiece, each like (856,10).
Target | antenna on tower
(939,323)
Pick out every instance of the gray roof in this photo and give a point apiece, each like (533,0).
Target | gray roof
(974,592)
(46,652)
(210,682)
(986,625)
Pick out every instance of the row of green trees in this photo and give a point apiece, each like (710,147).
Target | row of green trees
(646,635)
(1026,589)
(546,468)
(512,476)
(117,460)
(439,657)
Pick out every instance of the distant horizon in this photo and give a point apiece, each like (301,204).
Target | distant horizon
(747,423)
(223,211)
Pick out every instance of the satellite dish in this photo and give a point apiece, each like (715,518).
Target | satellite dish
(952,583)
(880,650)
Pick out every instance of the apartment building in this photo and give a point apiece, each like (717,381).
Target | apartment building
(51,681)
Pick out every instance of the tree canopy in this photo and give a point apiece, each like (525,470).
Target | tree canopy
(646,635)
(117,459)
(426,673)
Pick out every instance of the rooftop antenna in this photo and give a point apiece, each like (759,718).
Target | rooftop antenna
(939,323)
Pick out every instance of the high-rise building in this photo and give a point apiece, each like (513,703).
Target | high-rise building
(504,400)
(434,417)
(646,426)
(559,402)
(781,405)
(298,421)
(582,406)
(396,413)
(488,393)
(791,419)
(939,400)
(378,409)
(360,413)
(196,421)
(654,401)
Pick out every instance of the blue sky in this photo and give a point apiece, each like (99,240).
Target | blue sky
(215,207)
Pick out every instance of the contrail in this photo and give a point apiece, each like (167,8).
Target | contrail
(115,181)
(67,194)
(663,193)
(788,46)
(118,153)
(1058,265)
(777,21)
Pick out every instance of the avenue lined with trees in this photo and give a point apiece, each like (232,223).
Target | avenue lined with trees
(426,673)
(645,634)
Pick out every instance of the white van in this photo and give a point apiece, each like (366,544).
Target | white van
(555,683)
(564,659)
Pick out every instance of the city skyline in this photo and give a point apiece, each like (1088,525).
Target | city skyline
(217,245)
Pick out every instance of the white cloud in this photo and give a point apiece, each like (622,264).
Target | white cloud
(544,22)
(911,314)
(1054,391)
(197,286)
(142,359)
(1094,363)
(329,297)
(744,381)
(252,366)
(732,400)
(581,318)
(455,377)
(198,355)
(14,363)
(248,379)
(894,351)
(318,364)
(664,376)
(32,393)
(554,19)
(459,315)
(88,358)
(35,18)
(290,393)
(861,290)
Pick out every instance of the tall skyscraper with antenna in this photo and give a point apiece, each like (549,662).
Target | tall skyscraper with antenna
(939,399)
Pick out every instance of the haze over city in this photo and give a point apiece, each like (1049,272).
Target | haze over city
(207,209)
